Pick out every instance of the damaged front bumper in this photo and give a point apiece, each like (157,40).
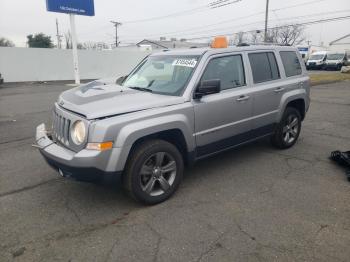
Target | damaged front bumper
(85,165)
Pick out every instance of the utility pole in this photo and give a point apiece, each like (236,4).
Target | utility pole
(266,19)
(59,46)
(116,24)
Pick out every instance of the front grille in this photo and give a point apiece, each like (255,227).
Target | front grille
(60,128)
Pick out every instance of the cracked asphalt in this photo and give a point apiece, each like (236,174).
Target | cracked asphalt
(255,203)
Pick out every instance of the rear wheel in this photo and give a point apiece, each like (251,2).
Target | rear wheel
(288,130)
(154,171)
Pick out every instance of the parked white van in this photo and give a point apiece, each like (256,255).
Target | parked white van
(317,60)
(336,60)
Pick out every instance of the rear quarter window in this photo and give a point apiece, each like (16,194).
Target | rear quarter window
(264,66)
(291,63)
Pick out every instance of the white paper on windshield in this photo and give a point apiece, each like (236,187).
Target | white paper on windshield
(185,62)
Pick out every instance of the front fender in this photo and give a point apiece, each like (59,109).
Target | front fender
(133,131)
(130,133)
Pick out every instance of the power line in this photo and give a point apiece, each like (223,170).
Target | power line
(212,5)
(276,27)
(203,26)
(211,25)
(221,3)
(247,24)
(229,20)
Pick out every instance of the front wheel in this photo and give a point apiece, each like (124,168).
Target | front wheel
(154,171)
(288,130)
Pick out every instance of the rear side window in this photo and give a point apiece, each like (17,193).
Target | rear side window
(229,69)
(291,63)
(264,67)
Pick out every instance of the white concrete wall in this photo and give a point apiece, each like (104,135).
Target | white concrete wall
(42,64)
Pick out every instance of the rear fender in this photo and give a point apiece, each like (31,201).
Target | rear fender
(289,97)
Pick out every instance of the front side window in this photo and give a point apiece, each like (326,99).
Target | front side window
(163,74)
(229,69)
(264,67)
(335,56)
(317,57)
(291,63)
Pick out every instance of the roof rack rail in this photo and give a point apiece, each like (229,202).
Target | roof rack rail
(270,43)
(243,44)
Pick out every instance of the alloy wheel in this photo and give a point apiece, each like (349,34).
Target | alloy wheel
(291,129)
(158,173)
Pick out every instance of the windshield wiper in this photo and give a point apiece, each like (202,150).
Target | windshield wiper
(141,88)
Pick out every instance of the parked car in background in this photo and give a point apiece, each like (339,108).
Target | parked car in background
(317,60)
(336,60)
(173,109)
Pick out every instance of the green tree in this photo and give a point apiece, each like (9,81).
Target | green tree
(40,41)
(6,42)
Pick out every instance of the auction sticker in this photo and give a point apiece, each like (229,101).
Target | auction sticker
(185,62)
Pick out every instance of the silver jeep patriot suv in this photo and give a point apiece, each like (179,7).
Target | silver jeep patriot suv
(175,108)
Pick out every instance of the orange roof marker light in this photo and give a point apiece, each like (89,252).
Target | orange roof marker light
(219,42)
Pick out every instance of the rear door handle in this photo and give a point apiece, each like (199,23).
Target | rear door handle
(242,98)
(279,89)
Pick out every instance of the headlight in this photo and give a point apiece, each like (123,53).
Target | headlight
(78,132)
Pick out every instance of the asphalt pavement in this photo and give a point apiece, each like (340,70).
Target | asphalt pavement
(254,203)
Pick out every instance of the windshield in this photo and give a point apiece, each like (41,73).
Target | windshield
(335,56)
(163,74)
(316,57)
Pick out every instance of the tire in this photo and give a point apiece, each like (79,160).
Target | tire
(281,139)
(146,179)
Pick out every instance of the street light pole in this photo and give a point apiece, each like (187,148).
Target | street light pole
(266,19)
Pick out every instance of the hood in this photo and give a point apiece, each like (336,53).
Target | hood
(315,61)
(333,61)
(99,99)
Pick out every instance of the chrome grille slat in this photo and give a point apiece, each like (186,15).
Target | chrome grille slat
(61,126)
(63,123)
(55,125)
(67,131)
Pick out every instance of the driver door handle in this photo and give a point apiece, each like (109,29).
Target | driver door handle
(279,89)
(242,98)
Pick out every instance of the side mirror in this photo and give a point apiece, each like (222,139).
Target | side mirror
(208,87)
(121,80)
